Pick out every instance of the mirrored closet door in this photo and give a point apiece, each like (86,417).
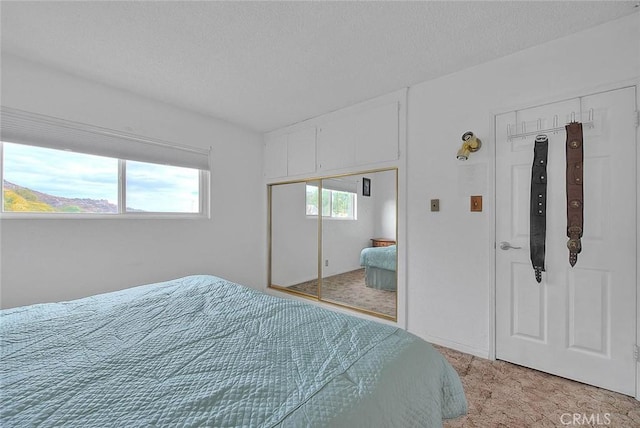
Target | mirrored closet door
(334,239)
(294,239)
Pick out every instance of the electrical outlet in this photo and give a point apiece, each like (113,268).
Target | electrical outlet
(435,204)
(326,263)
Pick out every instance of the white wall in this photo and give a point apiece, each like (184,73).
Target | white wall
(450,260)
(53,260)
(383,191)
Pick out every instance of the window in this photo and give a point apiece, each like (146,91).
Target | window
(52,167)
(43,180)
(335,203)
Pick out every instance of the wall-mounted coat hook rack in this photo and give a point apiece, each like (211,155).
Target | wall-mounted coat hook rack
(555,128)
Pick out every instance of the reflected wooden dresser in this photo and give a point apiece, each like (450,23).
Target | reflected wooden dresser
(382,242)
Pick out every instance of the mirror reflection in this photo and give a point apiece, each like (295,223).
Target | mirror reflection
(341,230)
(294,240)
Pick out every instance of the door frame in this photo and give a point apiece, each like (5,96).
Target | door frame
(492,249)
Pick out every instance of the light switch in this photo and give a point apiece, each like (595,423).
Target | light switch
(435,204)
(476,203)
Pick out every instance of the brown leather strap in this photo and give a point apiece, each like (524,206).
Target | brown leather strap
(575,153)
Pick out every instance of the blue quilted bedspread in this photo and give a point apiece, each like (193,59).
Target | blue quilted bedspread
(379,257)
(202,351)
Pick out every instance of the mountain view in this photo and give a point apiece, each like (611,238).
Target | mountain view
(22,199)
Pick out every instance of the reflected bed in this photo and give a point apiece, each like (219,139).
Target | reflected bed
(203,351)
(380,267)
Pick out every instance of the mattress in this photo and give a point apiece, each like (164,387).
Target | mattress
(203,351)
(379,257)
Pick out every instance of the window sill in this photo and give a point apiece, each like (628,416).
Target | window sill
(128,216)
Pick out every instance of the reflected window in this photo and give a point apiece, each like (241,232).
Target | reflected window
(335,203)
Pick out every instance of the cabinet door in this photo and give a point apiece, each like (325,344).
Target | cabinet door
(336,145)
(301,151)
(376,135)
(366,137)
(275,156)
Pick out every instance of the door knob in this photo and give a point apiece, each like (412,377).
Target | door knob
(507,246)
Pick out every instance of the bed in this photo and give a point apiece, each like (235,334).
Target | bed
(379,267)
(203,351)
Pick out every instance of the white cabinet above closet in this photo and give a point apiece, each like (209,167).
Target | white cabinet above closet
(301,152)
(368,134)
(290,154)
(366,137)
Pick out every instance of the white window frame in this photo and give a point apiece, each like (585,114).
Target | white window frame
(204,179)
(140,149)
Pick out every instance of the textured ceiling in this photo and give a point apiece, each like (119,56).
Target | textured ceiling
(264,65)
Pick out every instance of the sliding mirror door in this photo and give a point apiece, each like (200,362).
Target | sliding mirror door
(358,242)
(334,239)
(294,238)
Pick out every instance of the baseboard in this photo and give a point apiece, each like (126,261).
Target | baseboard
(482,353)
(341,271)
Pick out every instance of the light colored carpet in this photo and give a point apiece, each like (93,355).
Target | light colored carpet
(349,288)
(501,394)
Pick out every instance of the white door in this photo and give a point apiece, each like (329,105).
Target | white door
(580,322)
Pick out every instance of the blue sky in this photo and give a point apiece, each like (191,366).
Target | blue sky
(150,187)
